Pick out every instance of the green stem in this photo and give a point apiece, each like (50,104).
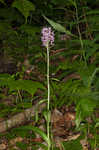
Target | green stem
(48,100)
(80,36)
(48,84)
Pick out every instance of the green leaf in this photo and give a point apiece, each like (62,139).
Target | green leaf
(24,6)
(42,134)
(22,131)
(84,108)
(47,115)
(39,145)
(57,26)
(87,106)
(26,85)
(5,79)
(73,3)
(92,12)
(38,131)
(72,145)
(21,145)
(97,125)
(78,117)
(5,75)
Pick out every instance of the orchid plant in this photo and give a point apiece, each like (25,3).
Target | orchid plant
(47,41)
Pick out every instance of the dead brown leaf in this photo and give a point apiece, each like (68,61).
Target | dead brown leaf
(3,146)
(17,139)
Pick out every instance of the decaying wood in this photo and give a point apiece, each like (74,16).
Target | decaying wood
(19,118)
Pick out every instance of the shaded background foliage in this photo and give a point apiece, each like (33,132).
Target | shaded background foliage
(74,58)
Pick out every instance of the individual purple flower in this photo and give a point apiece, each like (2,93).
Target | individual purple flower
(47,36)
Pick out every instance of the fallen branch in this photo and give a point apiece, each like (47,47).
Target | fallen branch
(19,118)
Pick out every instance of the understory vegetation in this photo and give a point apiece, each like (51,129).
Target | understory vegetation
(72,117)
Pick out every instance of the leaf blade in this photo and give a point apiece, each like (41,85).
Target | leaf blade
(24,6)
(58,26)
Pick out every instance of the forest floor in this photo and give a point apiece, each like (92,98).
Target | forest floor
(62,123)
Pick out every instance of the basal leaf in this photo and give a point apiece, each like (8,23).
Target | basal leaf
(38,131)
(42,134)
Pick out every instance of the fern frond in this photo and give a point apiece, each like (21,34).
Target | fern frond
(25,85)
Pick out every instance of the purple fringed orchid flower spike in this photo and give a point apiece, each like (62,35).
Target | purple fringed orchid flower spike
(47,36)
(47,41)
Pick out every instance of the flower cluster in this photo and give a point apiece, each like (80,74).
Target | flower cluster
(47,36)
